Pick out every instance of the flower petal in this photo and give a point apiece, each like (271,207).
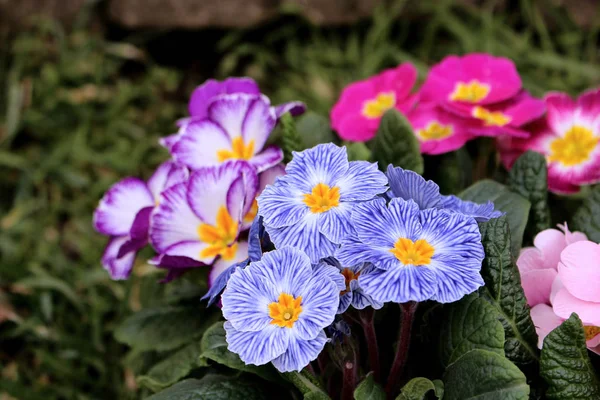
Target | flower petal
(221,264)
(258,123)
(287,268)
(320,301)
(295,108)
(579,270)
(564,303)
(537,285)
(336,223)
(409,185)
(551,243)
(257,348)
(362,181)
(118,267)
(456,277)
(545,321)
(200,143)
(324,163)
(300,353)
(166,175)
(269,157)
(281,205)
(400,284)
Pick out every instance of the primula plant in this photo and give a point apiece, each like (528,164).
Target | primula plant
(344,270)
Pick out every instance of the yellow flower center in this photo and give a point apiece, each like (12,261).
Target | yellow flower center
(375,108)
(220,238)
(415,253)
(490,118)
(251,214)
(435,131)
(239,150)
(471,92)
(322,198)
(591,332)
(574,148)
(285,311)
(349,276)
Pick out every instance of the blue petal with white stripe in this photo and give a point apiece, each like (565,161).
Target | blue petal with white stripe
(409,185)
(481,212)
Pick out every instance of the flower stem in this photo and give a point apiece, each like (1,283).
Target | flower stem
(408,314)
(367,317)
(349,379)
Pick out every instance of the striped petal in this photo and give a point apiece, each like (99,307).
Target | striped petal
(287,268)
(409,185)
(257,348)
(325,163)
(336,222)
(362,181)
(400,284)
(281,204)
(320,300)
(456,277)
(300,353)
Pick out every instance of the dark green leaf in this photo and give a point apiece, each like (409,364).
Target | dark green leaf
(417,389)
(368,389)
(314,128)
(291,139)
(528,177)
(396,143)
(307,384)
(358,151)
(484,375)
(163,328)
(503,287)
(214,347)
(514,205)
(171,369)
(565,364)
(213,387)
(587,217)
(471,323)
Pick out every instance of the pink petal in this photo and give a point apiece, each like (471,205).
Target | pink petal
(556,287)
(572,237)
(545,321)
(579,270)
(351,101)
(530,259)
(537,285)
(400,80)
(565,303)
(268,177)
(551,243)
(357,128)
(269,157)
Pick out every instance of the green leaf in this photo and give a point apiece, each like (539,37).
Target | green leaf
(471,323)
(565,364)
(291,139)
(503,287)
(314,128)
(357,151)
(417,389)
(368,389)
(307,384)
(514,205)
(528,177)
(587,217)
(396,143)
(214,347)
(213,387)
(171,369)
(484,375)
(163,328)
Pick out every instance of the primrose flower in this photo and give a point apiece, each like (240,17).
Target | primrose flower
(438,130)
(277,309)
(236,128)
(480,212)
(199,220)
(357,113)
(416,254)
(124,215)
(568,137)
(310,207)
(352,294)
(476,79)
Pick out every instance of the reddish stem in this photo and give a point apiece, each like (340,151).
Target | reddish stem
(349,379)
(367,317)
(408,314)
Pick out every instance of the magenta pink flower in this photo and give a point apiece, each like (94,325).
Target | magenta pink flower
(568,137)
(361,105)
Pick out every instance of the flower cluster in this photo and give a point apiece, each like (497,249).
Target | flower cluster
(197,208)
(560,275)
(343,238)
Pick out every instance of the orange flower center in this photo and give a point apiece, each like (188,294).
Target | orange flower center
(591,332)
(491,118)
(435,131)
(574,148)
(285,311)
(415,253)
(221,237)
(471,92)
(375,108)
(322,198)
(239,150)
(349,276)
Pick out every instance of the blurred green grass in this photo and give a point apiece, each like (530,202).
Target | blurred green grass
(79,111)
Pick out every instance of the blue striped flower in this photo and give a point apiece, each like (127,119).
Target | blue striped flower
(309,208)
(416,254)
(409,185)
(277,308)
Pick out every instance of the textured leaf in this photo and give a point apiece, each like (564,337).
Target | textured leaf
(514,205)
(503,287)
(368,389)
(291,139)
(171,369)
(529,178)
(565,364)
(471,323)
(357,151)
(314,128)
(484,375)
(396,143)
(417,389)
(307,384)
(587,217)
(213,387)
(214,347)
(162,328)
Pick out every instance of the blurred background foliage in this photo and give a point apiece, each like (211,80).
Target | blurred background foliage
(83,107)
